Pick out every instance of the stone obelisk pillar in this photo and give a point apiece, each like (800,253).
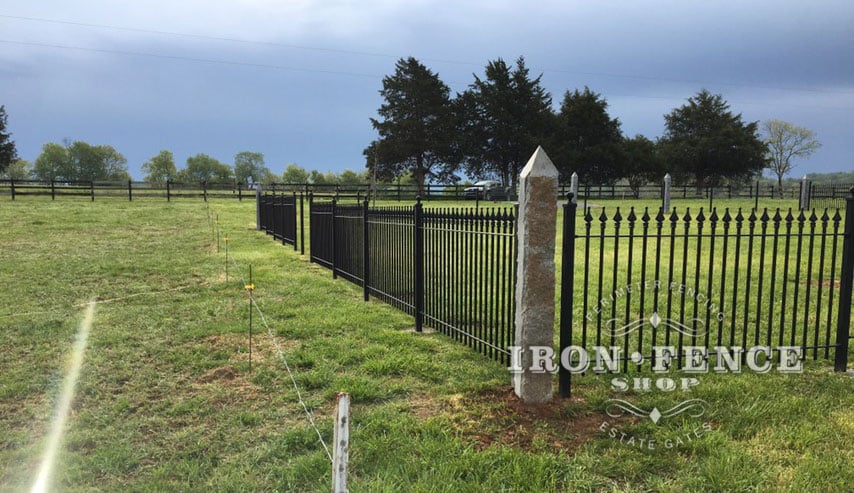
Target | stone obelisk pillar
(535,280)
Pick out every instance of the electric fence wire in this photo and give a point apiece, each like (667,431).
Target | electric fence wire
(281,356)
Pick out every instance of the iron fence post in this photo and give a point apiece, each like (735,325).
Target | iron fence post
(843,323)
(279,222)
(168,194)
(566,290)
(130,191)
(294,215)
(92,190)
(301,225)
(366,265)
(12,185)
(334,250)
(239,192)
(205,190)
(258,205)
(419,265)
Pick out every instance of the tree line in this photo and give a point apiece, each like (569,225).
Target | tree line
(490,130)
(487,131)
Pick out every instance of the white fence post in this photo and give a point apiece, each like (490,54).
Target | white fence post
(573,187)
(805,193)
(535,281)
(666,199)
(341,444)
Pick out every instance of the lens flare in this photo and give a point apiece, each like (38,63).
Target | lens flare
(54,439)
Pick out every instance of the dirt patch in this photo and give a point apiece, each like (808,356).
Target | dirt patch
(221,373)
(498,417)
(235,386)
(826,283)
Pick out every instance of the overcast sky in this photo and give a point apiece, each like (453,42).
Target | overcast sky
(298,80)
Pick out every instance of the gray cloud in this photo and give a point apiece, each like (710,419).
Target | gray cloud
(307,97)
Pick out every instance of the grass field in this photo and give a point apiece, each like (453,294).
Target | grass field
(166,402)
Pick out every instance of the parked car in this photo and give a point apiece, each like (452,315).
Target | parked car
(486,190)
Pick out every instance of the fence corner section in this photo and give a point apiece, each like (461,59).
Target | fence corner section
(535,282)
(843,322)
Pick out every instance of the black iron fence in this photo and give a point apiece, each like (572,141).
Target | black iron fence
(129,190)
(828,194)
(635,279)
(277,215)
(452,269)
(748,190)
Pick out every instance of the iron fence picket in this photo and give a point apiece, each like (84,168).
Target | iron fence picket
(742,280)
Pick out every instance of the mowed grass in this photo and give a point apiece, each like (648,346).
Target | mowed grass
(166,401)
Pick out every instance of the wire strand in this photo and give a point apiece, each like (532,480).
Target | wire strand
(281,356)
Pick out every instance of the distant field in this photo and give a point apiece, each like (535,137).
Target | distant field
(166,401)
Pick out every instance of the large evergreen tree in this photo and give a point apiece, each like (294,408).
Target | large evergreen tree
(642,163)
(502,119)
(8,154)
(587,140)
(416,126)
(706,143)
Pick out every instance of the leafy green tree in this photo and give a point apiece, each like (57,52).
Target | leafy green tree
(79,161)
(8,153)
(203,168)
(705,141)
(318,178)
(161,168)
(53,163)
(268,177)
(417,120)
(642,163)
(350,177)
(295,174)
(19,170)
(249,167)
(502,118)
(787,142)
(587,140)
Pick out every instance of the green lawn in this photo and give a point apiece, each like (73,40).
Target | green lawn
(166,401)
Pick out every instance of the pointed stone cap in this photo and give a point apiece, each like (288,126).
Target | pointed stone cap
(539,165)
